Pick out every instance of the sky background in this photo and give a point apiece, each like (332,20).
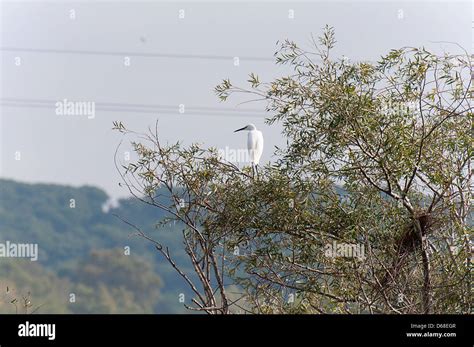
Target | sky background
(173,61)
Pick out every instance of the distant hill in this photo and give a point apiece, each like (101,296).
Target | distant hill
(81,250)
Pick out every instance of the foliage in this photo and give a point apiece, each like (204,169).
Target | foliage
(72,240)
(396,136)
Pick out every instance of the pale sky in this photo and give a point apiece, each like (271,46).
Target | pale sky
(47,56)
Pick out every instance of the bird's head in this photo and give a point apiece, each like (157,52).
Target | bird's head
(247,127)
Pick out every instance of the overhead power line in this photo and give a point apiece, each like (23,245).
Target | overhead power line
(135,54)
(138,108)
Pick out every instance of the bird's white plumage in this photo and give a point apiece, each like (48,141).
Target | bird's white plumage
(255,146)
(254,143)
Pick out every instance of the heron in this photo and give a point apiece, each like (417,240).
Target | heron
(254,145)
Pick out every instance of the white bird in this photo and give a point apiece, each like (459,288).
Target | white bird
(254,144)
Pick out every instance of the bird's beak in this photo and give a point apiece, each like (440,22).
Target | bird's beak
(240,129)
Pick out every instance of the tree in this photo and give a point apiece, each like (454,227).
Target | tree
(378,164)
(110,282)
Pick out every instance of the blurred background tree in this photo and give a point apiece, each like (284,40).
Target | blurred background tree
(106,282)
(42,215)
